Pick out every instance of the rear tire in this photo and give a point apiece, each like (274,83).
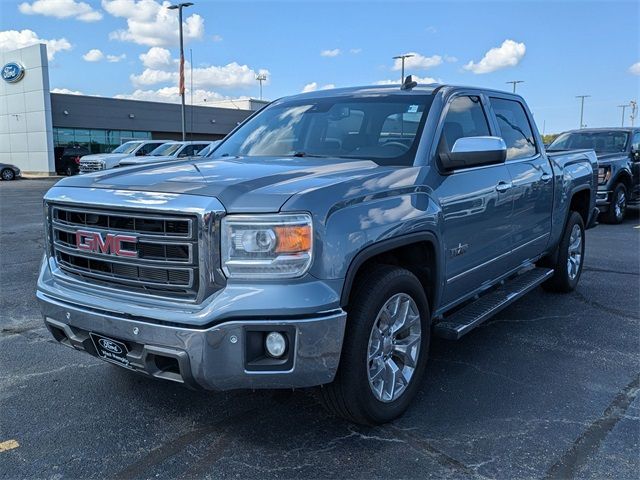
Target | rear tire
(385,348)
(7,174)
(570,257)
(618,206)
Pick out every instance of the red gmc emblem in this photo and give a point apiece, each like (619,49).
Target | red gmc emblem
(112,244)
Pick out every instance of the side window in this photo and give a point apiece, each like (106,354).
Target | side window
(635,142)
(514,128)
(465,118)
(187,151)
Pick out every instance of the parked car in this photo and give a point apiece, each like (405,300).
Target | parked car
(207,151)
(68,159)
(105,161)
(9,172)
(321,244)
(167,151)
(618,151)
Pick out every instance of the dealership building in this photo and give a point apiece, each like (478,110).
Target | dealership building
(34,121)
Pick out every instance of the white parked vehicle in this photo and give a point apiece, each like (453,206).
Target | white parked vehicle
(104,161)
(168,151)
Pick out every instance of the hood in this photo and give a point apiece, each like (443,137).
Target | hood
(604,158)
(146,160)
(104,156)
(241,184)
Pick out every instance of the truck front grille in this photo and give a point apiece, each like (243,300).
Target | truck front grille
(88,166)
(160,253)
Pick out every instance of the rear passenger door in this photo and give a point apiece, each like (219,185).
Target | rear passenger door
(476,206)
(531,177)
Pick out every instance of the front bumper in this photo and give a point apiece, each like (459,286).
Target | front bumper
(603,200)
(211,358)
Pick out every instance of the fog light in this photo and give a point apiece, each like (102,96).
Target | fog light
(275,344)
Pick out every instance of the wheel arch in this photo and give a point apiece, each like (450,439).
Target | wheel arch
(399,251)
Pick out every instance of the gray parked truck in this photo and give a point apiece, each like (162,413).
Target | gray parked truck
(322,244)
(618,151)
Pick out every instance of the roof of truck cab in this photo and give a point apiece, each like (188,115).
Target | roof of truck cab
(604,129)
(370,90)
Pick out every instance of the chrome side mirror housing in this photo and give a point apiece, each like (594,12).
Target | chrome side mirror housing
(474,151)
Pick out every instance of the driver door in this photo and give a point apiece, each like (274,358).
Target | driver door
(476,205)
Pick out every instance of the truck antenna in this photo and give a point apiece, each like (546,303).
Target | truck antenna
(408,83)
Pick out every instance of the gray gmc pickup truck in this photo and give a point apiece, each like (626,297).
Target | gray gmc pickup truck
(322,244)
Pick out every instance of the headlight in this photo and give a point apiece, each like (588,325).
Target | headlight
(603,175)
(266,246)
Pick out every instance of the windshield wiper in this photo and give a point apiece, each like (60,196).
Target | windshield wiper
(305,154)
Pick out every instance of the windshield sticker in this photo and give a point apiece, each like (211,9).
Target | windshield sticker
(412,109)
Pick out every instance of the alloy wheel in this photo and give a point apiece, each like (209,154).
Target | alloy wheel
(574,259)
(394,347)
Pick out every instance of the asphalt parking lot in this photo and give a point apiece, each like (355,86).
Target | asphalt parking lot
(547,389)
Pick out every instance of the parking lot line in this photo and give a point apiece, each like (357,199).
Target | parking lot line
(8,445)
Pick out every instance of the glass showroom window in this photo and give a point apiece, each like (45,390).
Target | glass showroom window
(97,141)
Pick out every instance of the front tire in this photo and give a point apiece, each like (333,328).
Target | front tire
(570,257)
(7,174)
(385,349)
(618,206)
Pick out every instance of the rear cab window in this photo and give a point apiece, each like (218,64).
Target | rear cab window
(514,128)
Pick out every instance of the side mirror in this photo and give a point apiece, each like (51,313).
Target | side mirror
(635,155)
(474,151)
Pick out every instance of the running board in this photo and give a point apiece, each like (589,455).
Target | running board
(480,310)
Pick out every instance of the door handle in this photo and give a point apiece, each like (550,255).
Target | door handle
(503,187)
(545,177)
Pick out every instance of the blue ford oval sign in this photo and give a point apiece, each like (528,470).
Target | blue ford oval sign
(12,72)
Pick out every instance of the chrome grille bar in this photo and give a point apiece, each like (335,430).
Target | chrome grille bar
(166,259)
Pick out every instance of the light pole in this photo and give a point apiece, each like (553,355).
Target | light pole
(623,107)
(582,97)
(179,7)
(261,77)
(634,106)
(402,58)
(515,82)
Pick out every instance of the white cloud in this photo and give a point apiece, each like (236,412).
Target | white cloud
(61,9)
(96,55)
(216,38)
(156,58)
(415,78)
(450,59)
(116,58)
(172,95)
(355,51)
(227,76)
(14,39)
(506,55)
(313,86)
(635,68)
(330,53)
(151,23)
(417,62)
(66,91)
(431,29)
(93,55)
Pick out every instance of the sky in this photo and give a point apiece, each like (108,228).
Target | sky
(129,49)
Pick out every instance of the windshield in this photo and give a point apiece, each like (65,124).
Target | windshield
(380,128)
(601,142)
(166,149)
(128,147)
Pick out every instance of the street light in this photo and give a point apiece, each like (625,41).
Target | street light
(179,7)
(623,107)
(261,77)
(582,97)
(402,57)
(515,82)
